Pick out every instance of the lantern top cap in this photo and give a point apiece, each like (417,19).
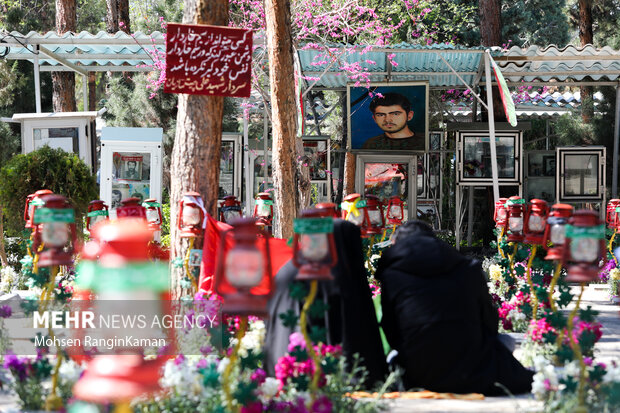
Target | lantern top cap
(192,193)
(562,207)
(42,192)
(585,214)
(263,195)
(123,229)
(97,202)
(132,200)
(230,197)
(325,205)
(59,200)
(614,201)
(314,213)
(352,197)
(150,200)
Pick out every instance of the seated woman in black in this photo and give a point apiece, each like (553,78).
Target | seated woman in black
(350,319)
(438,315)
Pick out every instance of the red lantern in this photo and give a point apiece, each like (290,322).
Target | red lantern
(33,201)
(153,214)
(243,274)
(515,207)
(131,208)
(395,211)
(230,209)
(97,212)
(191,220)
(263,209)
(611,215)
(55,228)
(536,222)
(122,247)
(329,209)
(499,216)
(314,248)
(354,210)
(376,220)
(555,230)
(585,246)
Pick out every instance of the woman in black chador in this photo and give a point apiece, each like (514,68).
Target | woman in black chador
(350,319)
(438,314)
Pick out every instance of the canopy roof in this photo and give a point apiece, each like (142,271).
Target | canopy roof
(84,52)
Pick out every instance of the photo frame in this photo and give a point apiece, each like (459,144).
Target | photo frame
(390,126)
(316,151)
(548,165)
(131,168)
(195,258)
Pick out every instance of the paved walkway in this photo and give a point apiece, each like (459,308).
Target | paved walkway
(607,348)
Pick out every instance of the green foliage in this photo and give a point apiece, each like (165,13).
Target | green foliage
(54,169)
(535,22)
(571,130)
(289,318)
(165,224)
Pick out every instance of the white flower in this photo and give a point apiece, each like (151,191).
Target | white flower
(572,369)
(538,385)
(612,373)
(222,366)
(70,371)
(540,362)
(269,388)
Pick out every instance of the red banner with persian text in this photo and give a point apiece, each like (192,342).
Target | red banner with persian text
(208,60)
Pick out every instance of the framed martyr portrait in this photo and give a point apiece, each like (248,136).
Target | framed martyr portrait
(388,117)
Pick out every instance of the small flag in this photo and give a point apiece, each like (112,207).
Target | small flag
(509,105)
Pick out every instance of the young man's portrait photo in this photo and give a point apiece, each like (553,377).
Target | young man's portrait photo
(392,117)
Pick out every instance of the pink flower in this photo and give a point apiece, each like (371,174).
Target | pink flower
(322,405)
(296,340)
(254,407)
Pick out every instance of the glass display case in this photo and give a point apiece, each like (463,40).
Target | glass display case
(540,179)
(388,176)
(581,174)
(230,166)
(474,156)
(69,131)
(131,165)
(317,150)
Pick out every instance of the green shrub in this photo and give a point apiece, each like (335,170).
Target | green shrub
(46,168)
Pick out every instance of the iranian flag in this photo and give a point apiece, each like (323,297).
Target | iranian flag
(509,105)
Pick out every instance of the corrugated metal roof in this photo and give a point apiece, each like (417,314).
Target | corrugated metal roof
(570,62)
(411,63)
(91,51)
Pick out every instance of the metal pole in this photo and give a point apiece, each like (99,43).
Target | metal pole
(487,75)
(247,188)
(470,215)
(37,80)
(457,217)
(85,91)
(614,176)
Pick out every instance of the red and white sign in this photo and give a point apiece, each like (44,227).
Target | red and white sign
(208,60)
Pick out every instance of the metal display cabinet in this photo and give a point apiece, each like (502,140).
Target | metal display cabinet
(230,166)
(474,157)
(131,164)
(540,175)
(580,176)
(69,131)
(388,175)
(317,150)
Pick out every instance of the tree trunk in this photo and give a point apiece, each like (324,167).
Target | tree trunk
(123,15)
(92,91)
(111,17)
(586,37)
(349,174)
(283,112)
(195,161)
(491,35)
(63,83)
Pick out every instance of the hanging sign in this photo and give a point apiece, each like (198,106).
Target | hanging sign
(208,60)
